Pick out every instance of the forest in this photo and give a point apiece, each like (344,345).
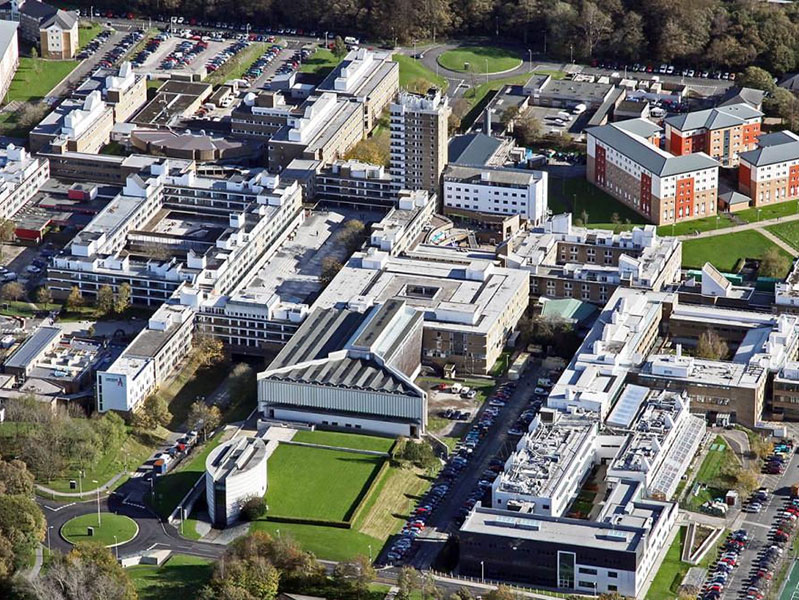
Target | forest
(724,34)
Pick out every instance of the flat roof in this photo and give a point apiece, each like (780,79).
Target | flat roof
(33,347)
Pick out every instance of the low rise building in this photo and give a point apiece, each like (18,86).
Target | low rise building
(769,173)
(350,369)
(545,90)
(21,178)
(723,132)
(352,182)
(261,115)
(625,160)
(234,472)
(75,126)
(121,88)
(470,191)
(173,101)
(589,264)
(402,226)
(9,55)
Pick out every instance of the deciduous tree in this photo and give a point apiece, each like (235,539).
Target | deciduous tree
(104,302)
(711,346)
(12,291)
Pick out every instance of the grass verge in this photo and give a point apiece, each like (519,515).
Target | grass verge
(35,78)
(479,59)
(178,578)
(123,528)
(413,73)
(344,440)
(725,251)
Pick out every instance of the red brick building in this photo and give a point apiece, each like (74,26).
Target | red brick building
(770,173)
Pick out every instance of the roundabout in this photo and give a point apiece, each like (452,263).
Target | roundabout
(479,60)
(113,530)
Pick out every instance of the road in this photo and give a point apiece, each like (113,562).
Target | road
(496,442)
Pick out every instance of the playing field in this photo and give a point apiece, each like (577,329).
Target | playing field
(479,59)
(316,483)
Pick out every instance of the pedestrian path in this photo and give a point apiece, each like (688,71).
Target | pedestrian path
(743,227)
(106,486)
(787,247)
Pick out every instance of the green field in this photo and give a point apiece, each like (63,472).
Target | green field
(720,458)
(36,77)
(344,440)
(764,213)
(787,232)
(321,62)
(317,483)
(581,195)
(124,528)
(479,59)
(412,73)
(87,34)
(180,578)
(724,251)
(172,487)
(720,221)
(329,543)
(671,572)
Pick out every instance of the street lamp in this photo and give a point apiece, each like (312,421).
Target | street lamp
(486,70)
(530,54)
(99,519)
(370,553)
(482,572)
(49,527)
(116,547)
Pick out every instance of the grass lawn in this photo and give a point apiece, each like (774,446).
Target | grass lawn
(317,483)
(480,59)
(411,71)
(344,440)
(184,389)
(724,251)
(172,487)
(130,454)
(329,543)
(787,232)
(711,474)
(671,572)
(320,63)
(720,221)
(35,78)
(114,149)
(237,65)
(783,209)
(179,578)
(600,206)
(124,528)
(87,34)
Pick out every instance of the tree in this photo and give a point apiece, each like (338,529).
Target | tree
(75,298)
(420,453)
(354,576)
(104,301)
(330,268)
(711,346)
(339,47)
(774,263)
(12,291)
(207,351)
(29,114)
(15,479)
(204,418)
(352,234)
(252,579)
(595,25)
(509,115)
(44,296)
(21,530)
(88,572)
(34,53)
(374,151)
(123,298)
(253,508)
(755,77)
(7,234)
(407,582)
(783,104)
(157,407)
(747,481)
(503,592)
(527,130)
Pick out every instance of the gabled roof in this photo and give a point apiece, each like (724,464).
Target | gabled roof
(772,154)
(735,95)
(714,118)
(63,19)
(472,149)
(38,10)
(629,138)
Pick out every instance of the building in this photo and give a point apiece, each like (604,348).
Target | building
(21,178)
(53,30)
(200,147)
(419,138)
(353,182)
(174,101)
(470,191)
(589,264)
(722,133)
(401,228)
(9,55)
(769,173)
(470,308)
(326,127)
(544,90)
(234,472)
(122,89)
(350,369)
(370,77)
(147,361)
(625,160)
(75,126)
(261,115)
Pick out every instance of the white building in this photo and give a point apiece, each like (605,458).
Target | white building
(9,54)
(21,178)
(234,473)
(496,191)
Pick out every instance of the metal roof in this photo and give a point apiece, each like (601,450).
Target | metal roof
(714,118)
(772,154)
(33,347)
(472,149)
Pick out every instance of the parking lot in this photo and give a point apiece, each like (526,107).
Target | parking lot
(169,49)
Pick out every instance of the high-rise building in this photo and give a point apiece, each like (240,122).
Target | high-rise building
(419,140)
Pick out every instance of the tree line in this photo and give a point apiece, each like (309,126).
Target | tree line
(721,34)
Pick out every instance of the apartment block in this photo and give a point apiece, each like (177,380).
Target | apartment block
(75,126)
(21,178)
(770,173)
(722,133)
(419,138)
(625,160)
(353,182)
(589,264)
(367,76)
(53,30)
(471,191)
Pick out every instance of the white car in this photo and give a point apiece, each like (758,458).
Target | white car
(33,269)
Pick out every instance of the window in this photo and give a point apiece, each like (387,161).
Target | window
(586,571)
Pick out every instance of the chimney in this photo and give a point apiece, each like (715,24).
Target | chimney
(487,122)
(679,350)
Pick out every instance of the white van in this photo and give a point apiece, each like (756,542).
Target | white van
(352,41)
(564,115)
